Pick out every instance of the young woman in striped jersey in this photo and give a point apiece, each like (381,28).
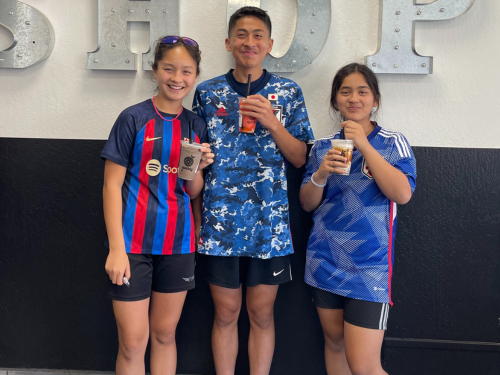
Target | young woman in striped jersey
(149,222)
(350,253)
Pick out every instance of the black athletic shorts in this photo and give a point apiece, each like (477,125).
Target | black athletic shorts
(231,272)
(158,273)
(365,314)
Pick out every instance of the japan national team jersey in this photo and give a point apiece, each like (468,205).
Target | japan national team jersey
(157,215)
(351,246)
(245,207)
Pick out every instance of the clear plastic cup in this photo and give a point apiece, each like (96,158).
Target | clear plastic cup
(246,124)
(346,147)
(189,160)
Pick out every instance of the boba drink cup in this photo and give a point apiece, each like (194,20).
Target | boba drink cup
(346,147)
(189,160)
(246,124)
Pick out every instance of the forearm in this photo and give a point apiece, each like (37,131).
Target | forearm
(112,205)
(292,149)
(194,186)
(311,195)
(392,182)
(196,205)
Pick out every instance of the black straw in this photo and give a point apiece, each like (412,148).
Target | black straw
(342,135)
(190,131)
(249,82)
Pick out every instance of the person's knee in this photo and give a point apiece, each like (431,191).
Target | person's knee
(261,316)
(164,337)
(362,366)
(334,341)
(133,346)
(227,313)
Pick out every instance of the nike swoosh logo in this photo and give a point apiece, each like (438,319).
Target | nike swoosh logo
(277,273)
(151,139)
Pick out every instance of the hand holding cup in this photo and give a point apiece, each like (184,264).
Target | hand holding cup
(207,157)
(332,163)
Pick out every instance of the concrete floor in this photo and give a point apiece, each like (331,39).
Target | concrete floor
(7,371)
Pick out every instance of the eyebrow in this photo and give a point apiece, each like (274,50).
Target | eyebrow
(359,87)
(172,65)
(254,31)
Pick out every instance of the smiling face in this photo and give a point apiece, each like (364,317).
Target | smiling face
(249,43)
(355,99)
(176,76)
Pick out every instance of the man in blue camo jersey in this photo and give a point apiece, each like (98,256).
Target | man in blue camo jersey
(245,233)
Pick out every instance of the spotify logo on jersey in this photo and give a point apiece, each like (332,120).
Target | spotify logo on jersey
(153,168)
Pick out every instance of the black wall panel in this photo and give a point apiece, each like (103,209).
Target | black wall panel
(54,312)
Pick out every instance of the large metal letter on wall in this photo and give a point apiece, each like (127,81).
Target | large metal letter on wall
(34,36)
(112,52)
(396,51)
(313,25)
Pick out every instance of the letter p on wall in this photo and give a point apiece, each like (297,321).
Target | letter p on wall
(112,52)
(396,51)
(34,36)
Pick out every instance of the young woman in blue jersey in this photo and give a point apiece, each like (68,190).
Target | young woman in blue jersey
(351,247)
(150,229)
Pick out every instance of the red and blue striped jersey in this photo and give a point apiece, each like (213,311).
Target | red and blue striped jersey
(157,217)
(351,246)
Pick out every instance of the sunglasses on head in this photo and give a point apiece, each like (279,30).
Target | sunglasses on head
(174,39)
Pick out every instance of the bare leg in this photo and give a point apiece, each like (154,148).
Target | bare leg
(363,347)
(227,305)
(133,331)
(165,313)
(332,321)
(260,305)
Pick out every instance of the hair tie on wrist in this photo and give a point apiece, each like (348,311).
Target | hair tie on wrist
(314,183)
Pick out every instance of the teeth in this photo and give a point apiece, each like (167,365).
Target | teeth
(176,87)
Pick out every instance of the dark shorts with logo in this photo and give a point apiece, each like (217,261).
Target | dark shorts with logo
(158,273)
(365,314)
(231,272)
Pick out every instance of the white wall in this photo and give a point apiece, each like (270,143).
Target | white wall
(457,106)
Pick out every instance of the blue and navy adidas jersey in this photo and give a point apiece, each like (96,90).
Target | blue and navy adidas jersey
(157,215)
(351,247)
(245,205)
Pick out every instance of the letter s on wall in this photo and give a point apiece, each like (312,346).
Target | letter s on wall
(34,36)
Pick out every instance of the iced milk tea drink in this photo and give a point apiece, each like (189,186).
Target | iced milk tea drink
(346,147)
(189,160)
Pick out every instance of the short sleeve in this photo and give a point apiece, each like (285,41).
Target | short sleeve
(312,165)
(201,127)
(297,123)
(121,140)
(197,104)
(402,159)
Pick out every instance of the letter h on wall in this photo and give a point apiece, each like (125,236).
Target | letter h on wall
(112,52)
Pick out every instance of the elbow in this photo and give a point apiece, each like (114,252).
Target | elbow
(192,195)
(306,207)
(299,162)
(300,157)
(403,198)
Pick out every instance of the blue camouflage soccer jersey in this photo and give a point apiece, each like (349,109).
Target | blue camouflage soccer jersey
(351,246)
(245,205)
